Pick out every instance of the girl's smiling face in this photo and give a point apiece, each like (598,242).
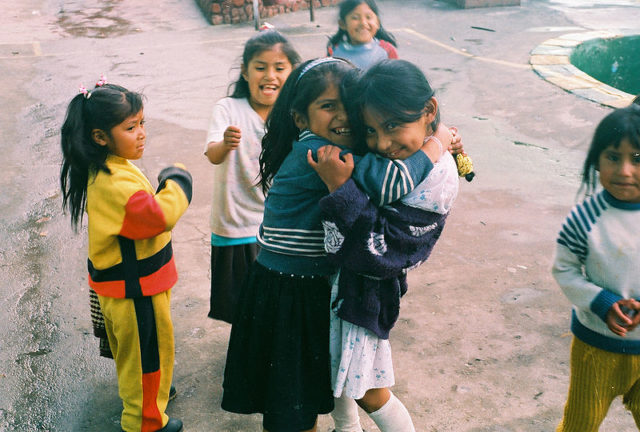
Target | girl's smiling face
(126,139)
(361,24)
(397,140)
(265,75)
(326,117)
(620,171)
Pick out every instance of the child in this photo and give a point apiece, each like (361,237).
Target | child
(361,39)
(233,146)
(382,244)
(131,265)
(596,265)
(278,357)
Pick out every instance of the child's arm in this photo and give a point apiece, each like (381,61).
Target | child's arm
(378,242)
(571,249)
(387,180)
(147,215)
(222,135)
(217,151)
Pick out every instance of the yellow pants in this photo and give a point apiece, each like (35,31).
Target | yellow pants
(140,334)
(597,378)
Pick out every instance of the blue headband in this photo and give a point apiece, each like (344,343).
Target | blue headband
(318,62)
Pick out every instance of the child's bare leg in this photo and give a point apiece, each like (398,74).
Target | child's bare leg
(374,399)
(386,410)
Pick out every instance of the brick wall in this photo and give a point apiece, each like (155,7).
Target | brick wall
(235,11)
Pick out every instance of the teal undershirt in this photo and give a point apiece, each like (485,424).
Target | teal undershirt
(220,241)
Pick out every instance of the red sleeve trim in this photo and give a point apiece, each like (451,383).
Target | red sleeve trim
(143,217)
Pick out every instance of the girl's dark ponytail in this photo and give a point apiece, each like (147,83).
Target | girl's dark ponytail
(104,107)
(81,158)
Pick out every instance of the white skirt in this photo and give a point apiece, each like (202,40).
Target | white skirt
(360,360)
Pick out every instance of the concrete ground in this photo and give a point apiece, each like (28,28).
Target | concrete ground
(482,344)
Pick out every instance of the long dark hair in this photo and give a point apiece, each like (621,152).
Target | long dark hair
(615,127)
(345,8)
(301,88)
(105,107)
(395,89)
(263,41)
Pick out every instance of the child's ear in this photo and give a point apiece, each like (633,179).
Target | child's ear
(99,137)
(431,110)
(243,72)
(342,25)
(300,120)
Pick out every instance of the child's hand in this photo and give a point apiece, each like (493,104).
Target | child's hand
(333,169)
(456,146)
(623,316)
(231,137)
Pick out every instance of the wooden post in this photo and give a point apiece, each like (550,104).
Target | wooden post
(312,18)
(256,14)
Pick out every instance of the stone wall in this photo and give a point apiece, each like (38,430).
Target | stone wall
(235,11)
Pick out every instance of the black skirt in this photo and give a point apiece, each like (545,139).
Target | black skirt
(278,355)
(229,268)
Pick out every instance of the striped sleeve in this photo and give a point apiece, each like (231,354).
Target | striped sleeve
(574,232)
(571,253)
(388,180)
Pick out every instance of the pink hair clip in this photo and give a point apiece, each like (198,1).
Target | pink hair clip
(102,81)
(84,91)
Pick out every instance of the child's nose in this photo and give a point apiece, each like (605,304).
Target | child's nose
(626,168)
(270,73)
(384,143)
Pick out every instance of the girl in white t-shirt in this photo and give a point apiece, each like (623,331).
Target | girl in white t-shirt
(234,142)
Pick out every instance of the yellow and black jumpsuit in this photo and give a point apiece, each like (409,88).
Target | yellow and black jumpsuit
(132,269)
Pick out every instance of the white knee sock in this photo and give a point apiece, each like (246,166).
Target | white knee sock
(393,417)
(345,415)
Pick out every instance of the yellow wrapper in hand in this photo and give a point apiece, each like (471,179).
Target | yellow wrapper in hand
(465,167)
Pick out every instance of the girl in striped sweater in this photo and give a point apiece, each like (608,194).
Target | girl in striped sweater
(596,265)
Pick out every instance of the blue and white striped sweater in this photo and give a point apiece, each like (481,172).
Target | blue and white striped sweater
(578,224)
(291,235)
(596,264)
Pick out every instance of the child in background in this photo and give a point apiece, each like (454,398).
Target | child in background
(233,146)
(376,248)
(361,39)
(278,357)
(131,265)
(596,265)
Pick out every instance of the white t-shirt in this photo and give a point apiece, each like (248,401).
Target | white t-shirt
(237,204)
